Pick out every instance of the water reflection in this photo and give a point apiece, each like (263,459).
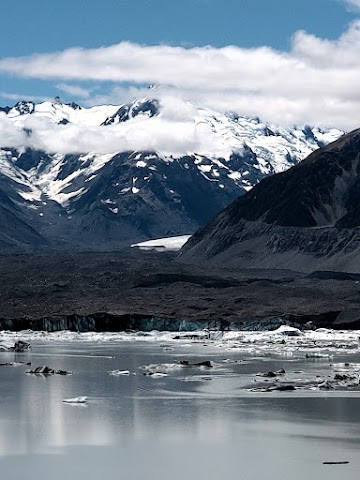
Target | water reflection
(136,425)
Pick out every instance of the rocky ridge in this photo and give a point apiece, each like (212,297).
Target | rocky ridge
(304,219)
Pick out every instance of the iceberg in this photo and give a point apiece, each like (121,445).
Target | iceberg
(82,399)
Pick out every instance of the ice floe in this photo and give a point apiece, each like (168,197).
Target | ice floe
(81,399)
(8,345)
(14,364)
(117,373)
(44,370)
(286,342)
(311,361)
(180,365)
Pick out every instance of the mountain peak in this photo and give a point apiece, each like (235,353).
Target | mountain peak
(74,106)
(148,107)
(23,107)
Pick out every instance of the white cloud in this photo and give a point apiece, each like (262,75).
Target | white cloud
(117,95)
(74,90)
(353,3)
(16,97)
(316,82)
(167,134)
(10,136)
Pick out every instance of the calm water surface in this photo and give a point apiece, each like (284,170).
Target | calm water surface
(192,424)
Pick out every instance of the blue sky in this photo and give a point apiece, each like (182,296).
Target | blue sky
(45,27)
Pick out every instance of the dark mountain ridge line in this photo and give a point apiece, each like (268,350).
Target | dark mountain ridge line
(305,218)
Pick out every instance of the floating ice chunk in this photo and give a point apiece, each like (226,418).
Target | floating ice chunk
(274,387)
(116,373)
(271,373)
(326,385)
(159,368)
(318,355)
(14,364)
(76,400)
(287,330)
(285,353)
(44,370)
(193,335)
(186,363)
(18,346)
(6,346)
(195,378)
(324,330)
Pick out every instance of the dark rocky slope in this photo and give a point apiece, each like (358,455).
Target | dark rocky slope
(152,290)
(110,212)
(305,219)
(15,230)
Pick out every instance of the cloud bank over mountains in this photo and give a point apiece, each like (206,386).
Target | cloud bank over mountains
(173,133)
(316,82)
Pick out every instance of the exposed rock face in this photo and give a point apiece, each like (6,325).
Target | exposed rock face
(126,112)
(307,218)
(116,208)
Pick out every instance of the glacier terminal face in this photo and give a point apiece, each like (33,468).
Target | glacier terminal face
(111,175)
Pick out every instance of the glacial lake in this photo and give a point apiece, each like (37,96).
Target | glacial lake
(195,423)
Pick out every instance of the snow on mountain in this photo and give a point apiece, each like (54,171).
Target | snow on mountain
(133,194)
(172,244)
(57,112)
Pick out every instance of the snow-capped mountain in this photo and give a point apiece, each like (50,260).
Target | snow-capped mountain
(64,113)
(106,196)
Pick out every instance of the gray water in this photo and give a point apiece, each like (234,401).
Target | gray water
(195,423)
